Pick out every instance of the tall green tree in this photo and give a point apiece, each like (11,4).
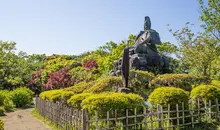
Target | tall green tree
(210,15)
(199,52)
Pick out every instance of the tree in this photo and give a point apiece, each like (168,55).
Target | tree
(210,15)
(198,51)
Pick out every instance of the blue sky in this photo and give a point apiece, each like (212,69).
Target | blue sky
(76,26)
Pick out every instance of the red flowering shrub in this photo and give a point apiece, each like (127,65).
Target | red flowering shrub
(59,79)
(90,64)
(35,83)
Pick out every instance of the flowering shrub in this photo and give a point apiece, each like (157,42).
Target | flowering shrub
(35,84)
(59,79)
(90,64)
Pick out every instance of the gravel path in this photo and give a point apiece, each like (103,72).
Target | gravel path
(23,120)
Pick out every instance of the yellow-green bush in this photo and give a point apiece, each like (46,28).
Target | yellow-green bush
(2,111)
(205,93)
(56,95)
(168,95)
(80,87)
(111,101)
(8,103)
(77,99)
(3,94)
(80,74)
(184,81)
(105,85)
(139,81)
(1,124)
(216,83)
(65,95)
(22,97)
(51,95)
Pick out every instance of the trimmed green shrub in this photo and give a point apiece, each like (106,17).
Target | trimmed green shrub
(216,83)
(184,81)
(80,74)
(111,101)
(76,100)
(2,111)
(168,95)
(22,97)
(1,124)
(139,81)
(106,85)
(80,87)
(8,103)
(51,95)
(65,95)
(3,94)
(205,93)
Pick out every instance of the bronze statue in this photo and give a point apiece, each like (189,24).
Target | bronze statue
(144,55)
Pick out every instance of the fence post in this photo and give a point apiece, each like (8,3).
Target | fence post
(168,114)
(183,112)
(191,114)
(84,119)
(151,118)
(159,116)
(96,121)
(177,114)
(217,108)
(199,116)
(107,120)
(210,109)
(145,118)
(126,119)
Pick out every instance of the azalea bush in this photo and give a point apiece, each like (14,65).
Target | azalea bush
(59,79)
(106,84)
(1,124)
(139,82)
(205,93)
(168,95)
(184,81)
(51,95)
(80,87)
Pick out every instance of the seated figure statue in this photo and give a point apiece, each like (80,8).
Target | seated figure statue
(146,40)
(144,55)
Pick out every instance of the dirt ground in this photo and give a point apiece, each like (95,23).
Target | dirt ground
(23,120)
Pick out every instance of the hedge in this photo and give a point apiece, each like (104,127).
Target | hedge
(205,93)
(51,95)
(76,100)
(1,124)
(80,87)
(139,81)
(111,101)
(22,97)
(216,83)
(168,95)
(184,81)
(106,85)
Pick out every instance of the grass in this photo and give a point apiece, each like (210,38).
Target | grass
(36,114)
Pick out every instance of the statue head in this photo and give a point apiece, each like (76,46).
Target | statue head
(147,23)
